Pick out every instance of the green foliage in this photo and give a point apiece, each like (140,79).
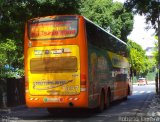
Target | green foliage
(98,11)
(13,15)
(155,53)
(149,8)
(8,57)
(151,76)
(7,52)
(139,62)
(109,15)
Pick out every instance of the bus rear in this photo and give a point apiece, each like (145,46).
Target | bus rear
(56,62)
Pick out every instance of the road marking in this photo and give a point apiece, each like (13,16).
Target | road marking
(102,115)
(134,92)
(141,92)
(148,91)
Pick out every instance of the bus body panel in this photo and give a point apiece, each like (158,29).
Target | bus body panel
(107,70)
(98,74)
(56,89)
(43,101)
(54,70)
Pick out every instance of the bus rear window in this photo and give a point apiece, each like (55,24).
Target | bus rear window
(53,29)
(56,64)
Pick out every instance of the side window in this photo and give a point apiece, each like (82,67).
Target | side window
(97,37)
(104,40)
(90,33)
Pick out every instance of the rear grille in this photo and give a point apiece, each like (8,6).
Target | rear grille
(56,64)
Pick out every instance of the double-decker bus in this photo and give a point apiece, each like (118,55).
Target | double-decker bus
(70,62)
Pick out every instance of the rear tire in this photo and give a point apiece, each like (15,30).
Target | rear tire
(125,98)
(108,101)
(128,93)
(102,103)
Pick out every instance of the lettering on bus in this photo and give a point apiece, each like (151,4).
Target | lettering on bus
(52,51)
(58,33)
(72,88)
(54,23)
(43,85)
(49,30)
(118,61)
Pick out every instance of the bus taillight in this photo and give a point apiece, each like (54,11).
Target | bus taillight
(83,79)
(26,84)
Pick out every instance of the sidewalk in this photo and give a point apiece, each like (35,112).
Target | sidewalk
(9,109)
(154,108)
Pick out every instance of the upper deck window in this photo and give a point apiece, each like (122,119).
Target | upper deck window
(52,29)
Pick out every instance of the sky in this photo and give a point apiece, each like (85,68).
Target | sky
(139,34)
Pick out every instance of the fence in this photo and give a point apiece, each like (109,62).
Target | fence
(14,94)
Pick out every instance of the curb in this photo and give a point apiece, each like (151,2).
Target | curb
(4,111)
(146,104)
(153,109)
(9,109)
(144,108)
(20,107)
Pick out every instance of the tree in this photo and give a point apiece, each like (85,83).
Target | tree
(14,14)
(109,15)
(156,56)
(138,60)
(150,8)
(8,54)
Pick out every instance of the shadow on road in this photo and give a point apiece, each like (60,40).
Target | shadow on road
(134,105)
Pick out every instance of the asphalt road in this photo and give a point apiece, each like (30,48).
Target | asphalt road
(119,111)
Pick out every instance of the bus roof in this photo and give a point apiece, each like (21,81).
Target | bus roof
(46,18)
(106,31)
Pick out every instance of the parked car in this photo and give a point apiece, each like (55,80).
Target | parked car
(142,81)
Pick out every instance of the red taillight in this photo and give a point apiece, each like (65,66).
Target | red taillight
(26,84)
(83,79)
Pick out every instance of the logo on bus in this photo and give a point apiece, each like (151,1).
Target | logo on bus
(44,85)
(53,100)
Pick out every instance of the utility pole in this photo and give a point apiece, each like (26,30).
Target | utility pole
(158,49)
(157,79)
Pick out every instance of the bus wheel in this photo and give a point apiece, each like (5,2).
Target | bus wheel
(128,93)
(108,100)
(125,98)
(102,103)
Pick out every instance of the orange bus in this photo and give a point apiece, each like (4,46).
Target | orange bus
(70,62)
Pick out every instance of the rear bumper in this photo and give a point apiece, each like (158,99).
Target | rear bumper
(77,101)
